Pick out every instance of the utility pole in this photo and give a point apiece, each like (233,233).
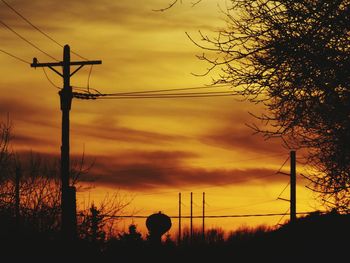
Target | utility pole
(293,216)
(191,218)
(68,193)
(179,235)
(203,216)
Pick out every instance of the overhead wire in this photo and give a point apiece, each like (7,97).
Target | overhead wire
(47,77)
(106,96)
(27,41)
(283,215)
(162,97)
(177,94)
(209,216)
(153,94)
(284,163)
(14,56)
(166,90)
(283,190)
(37,28)
(88,80)
(241,206)
(34,45)
(149,94)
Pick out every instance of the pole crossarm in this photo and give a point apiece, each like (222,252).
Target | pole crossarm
(35,63)
(51,65)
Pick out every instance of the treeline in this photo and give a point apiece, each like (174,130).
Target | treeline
(314,238)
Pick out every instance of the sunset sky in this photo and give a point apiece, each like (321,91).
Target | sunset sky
(148,149)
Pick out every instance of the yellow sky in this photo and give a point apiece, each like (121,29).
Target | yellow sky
(149,149)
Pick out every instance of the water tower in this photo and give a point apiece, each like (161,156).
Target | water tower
(157,224)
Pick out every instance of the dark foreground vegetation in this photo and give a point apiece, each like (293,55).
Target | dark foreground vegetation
(314,238)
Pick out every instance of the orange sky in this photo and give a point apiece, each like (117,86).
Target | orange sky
(149,149)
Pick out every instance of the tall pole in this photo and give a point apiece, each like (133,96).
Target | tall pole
(292,186)
(191,218)
(203,217)
(179,235)
(66,102)
(68,193)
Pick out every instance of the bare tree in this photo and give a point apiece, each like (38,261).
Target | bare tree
(294,58)
(5,154)
(99,222)
(172,3)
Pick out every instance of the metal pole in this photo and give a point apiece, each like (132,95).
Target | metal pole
(292,186)
(191,218)
(179,236)
(203,216)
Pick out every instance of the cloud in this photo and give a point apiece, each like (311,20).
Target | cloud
(22,109)
(117,133)
(233,131)
(242,140)
(30,141)
(148,170)
(53,16)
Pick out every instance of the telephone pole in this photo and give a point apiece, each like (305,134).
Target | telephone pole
(191,218)
(68,193)
(179,236)
(293,216)
(203,217)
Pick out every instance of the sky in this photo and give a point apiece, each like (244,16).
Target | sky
(147,150)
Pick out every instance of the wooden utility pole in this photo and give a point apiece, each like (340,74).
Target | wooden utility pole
(203,217)
(191,218)
(293,216)
(68,192)
(179,235)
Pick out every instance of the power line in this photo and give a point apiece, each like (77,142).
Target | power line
(148,92)
(279,170)
(283,215)
(167,90)
(51,82)
(175,94)
(211,216)
(242,206)
(153,94)
(37,28)
(88,80)
(283,190)
(14,56)
(26,40)
(162,97)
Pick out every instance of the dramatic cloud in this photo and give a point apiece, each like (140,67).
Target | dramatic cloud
(124,134)
(149,170)
(243,140)
(30,141)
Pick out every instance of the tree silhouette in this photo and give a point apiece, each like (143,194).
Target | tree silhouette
(131,238)
(294,58)
(97,223)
